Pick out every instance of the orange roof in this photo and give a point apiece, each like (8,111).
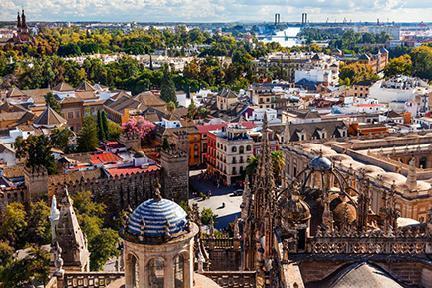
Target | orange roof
(131,170)
(104,158)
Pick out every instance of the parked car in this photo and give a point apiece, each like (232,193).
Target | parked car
(238,192)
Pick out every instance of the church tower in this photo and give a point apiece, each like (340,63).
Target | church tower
(24,28)
(19,22)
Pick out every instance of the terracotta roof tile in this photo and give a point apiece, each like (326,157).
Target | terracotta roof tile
(104,158)
(131,170)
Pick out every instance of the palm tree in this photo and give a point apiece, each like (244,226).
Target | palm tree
(252,166)
(278,160)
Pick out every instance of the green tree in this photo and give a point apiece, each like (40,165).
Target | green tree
(171,106)
(6,253)
(399,66)
(88,135)
(52,102)
(100,128)
(37,150)
(39,227)
(252,165)
(14,224)
(103,248)
(60,138)
(422,62)
(357,72)
(278,159)
(32,270)
(104,124)
(207,216)
(192,110)
(168,90)
(114,130)
(103,241)
(70,49)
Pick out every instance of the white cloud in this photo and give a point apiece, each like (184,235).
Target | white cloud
(217,10)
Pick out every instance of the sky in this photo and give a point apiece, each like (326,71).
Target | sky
(218,10)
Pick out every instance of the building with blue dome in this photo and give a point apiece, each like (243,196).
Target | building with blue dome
(159,245)
(157,218)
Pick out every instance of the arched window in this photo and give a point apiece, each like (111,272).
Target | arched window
(241,149)
(133,271)
(156,268)
(234,149)
(248,148)
(179,271)
(423,162)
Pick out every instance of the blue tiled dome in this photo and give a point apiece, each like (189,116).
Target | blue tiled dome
(320,164)
(156,215)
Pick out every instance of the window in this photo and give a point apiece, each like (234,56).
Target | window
(234,149)
(155,269)
(179,271)
(241,149)
(248,148)
(134,271)
(70,115)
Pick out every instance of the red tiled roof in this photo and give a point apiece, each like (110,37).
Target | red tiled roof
(104,158)
(131,170)
(207,128)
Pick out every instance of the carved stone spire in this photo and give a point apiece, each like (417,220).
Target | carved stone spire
(411,180)
(70,237)
(287,133)
(246,199)
(157,194)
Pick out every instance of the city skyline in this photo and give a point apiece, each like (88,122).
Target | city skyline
(218,10)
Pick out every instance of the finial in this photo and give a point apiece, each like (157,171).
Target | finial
(157,195)
(55,213)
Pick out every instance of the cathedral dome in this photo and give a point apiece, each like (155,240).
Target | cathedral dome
(157,218)
(320,163)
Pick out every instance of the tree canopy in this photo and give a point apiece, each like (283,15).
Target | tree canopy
(88,135)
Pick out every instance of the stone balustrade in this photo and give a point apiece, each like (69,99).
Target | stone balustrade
(221,243)
(370,245)
(233,279)
(90,279)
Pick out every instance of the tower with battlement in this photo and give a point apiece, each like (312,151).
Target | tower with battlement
(175,174)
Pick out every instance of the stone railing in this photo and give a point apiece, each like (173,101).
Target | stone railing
(370,245)
(222,243)
(90,279)
(233,279)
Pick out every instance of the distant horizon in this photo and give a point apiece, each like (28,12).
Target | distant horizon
(218,11)
(216,22)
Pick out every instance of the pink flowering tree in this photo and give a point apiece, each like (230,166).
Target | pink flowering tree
(138,126)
